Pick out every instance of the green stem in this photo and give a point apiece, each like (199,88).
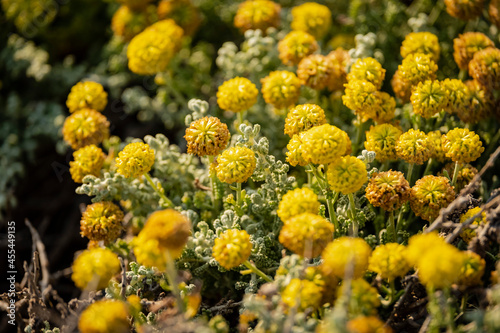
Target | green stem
(410,172)
(309,179)
(167,201)
(391,229)
(213,184)
(352,206)
(359,135)
(257,271)
(428,166)
(171,273)
(238,195)
(462,75)
(455,174)
(450,320)
(331,211)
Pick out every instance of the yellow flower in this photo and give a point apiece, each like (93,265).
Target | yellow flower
(464,9)
(429,195)
(312,18)
(414,147)
(467,234)
(257,14)
(306,234)
(303,117)
(236,165)
(360,96)
(401,87)
(346,257)
(127,23)
(87,95)
(418,67)
(298,201)
(302,294)
(281,89)
(88,161)
(465,174)
(479,104)
(382,140)
(421,42)
(367,324)
(135,160)
(438,153)
(383,110)
(346,174)
(363,300)
(462,145)
(106,316)
(148,252)
(420,244)
(135,4)
(440,267)
(458,95)
(295,46)
(323,144)
(93,268)
(150,51)
(101,221)
(429,98)
(232,248)
(183,12)
(85,127)
(316,71)
(494,12)
(367,69)
(295,155)
(466,45)
(472,270)
(389,190)
(237,95)
(389,261)
(207,136)
(340,59)
(485,68)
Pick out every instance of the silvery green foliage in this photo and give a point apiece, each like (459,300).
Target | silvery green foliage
(141,279)
(366,47)
(199,110)
(419,23)
(367,157)
(364,211)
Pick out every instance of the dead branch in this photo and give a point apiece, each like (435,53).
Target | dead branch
(42,256)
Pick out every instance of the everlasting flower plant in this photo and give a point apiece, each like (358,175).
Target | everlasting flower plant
(281,89)
(102,221)
(87,95)
(389,190)
(312,18)
(462,145)
(298,201)
(87,161)
(207,136)
(235,165)
(466,45)
(259,14)
(237,95)
(105,316)
(303,117)
(389,261)
(93,268)
(135,160)
(367,69)
(429,195)
(85,127)
(346,257)
(232,248)
(421,42)
(346,174)
(295,46)
(382,140)
(414,147)
(302,294)
(323,144)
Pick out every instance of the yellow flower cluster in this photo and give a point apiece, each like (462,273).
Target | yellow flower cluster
(435,138)
(363,300)
(281,89)
(85,127)
(383,110)
(429,195)
(416,68)
(429,98)
(312,18)
(421,42)
(87,95)
(485,68)
(237,95)
(389,261)
(135,160)
(294,154)
(382,140)
(472,270)
(316,71)
(302,294)
(458,95)
(303,117)
(295,46)
(401,87)
(127,23)
(462,145)
(236,165)
(467,234)
(367,69)
(93,268)
(148,252)
(389,190)
(257,14)
(232,248)
(479,105)
(340,59)
(298,201)
(465,174)
(466,45)
(136,5)
(207,136)
(346,257)
(183,12)
(464,9)
(414,147)
(87,161)
(323,144)
(101,221)
(419,244)
(346,174)
(367,324)
(106,316)
(360,96)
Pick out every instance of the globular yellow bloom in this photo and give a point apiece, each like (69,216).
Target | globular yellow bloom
(232,248)
(346,257)
(464,9)
(236,165)
(183,12)
(360,96)
(87,95)
(237,95)
(302,294)
(363,300)
(281,89)
(303,117)
(466,173)
(135,160)
(429,195)
(414,147)
(207,136)
(389,261)
(438,153)
(150,253)
(298,201)
(401,87)
(101,221)
(346,174)
(467,44)
(420,244)
(472,270)
(136,5)
(485,68)
(294,154)
(88,161)
(421,42)
(323,144)
(479,104)
(458,94)
(316,71)
(462,145)
(382,140)
(257,14)
(295,46)
(367,69)
(85,127)
(150,51)
(106,316)
(93,268)
(440,267)
(306,234)
(389,190)
(312,18)
(429,98)
(467,234)
(340,59)
(417,67)
(127,23)
(383,110)
(367,324)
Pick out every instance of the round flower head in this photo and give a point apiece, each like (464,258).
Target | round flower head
(367,324)
(382,140)
(414,147)
(457,94)
(207,136)
(479,104)
(465,174)
(85,127)
(101,221)
(346,257)
(295,46)
(306,234)
(389,190)
(88,161)
(106,316)
(421,42)
(316,71)
(183,12)
(149,252)
(438,154)
(127,23)
(468,233)
(135,5)
(485,68)
(363,300)
(87,95)
(383,110)
(281,89)
(418,67)
(360,97)
(440,267)
(298,201)
(150,51)
(135,160)
(235,165)
(303,117)
(389,261)
(420,244)
(367,69)
(401,87)
(340,59)
(466,45)
(257,14)
(237,95)
(302,294)
(494,12)
(294,154)
(462,145)
(93,268)
(232,248)
(472,270)
(312,18)
(346,174)
(464,9)
(429,195)
(323,144)
(429,98)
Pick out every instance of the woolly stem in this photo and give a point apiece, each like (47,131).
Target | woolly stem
(352,206)
(213,182)
(238,195)
(171,273)
(455,174)
(410,172)
(167,201)
(257,271)
(391,229)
